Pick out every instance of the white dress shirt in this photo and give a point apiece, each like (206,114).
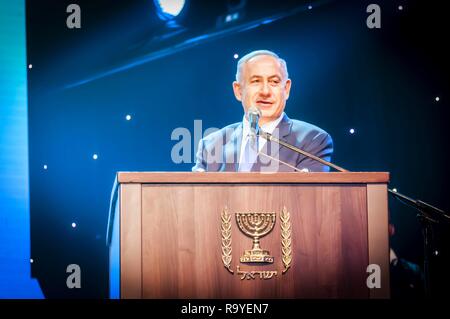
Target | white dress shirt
(267,127)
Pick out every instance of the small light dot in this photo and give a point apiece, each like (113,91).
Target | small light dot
(128,117)
(352,131)
(74,225)
(394,190)
(95,156)
(436,253)
(45,166)
(437,98)
(400,7)
(30,66)
(309,7)
(31,260)
(236,55)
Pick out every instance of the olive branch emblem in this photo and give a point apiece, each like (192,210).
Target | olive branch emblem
(226,239)
(286,241)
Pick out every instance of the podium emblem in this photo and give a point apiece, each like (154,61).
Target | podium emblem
(256,225)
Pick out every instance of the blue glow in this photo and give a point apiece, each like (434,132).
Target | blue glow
(267,21)
(15,274)
(114,248)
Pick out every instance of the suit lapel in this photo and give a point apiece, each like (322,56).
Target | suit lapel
(285,126)
(282,130)
(232,150)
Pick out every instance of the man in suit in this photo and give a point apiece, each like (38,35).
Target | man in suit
(262,81)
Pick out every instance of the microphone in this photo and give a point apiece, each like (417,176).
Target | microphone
(253,115)
(270,137)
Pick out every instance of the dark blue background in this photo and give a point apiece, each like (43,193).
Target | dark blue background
(381,82)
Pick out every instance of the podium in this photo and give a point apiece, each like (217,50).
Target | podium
(249,235)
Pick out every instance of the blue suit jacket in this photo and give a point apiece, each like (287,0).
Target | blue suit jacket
(220,151)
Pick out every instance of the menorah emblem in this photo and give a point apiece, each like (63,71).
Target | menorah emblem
(256,225)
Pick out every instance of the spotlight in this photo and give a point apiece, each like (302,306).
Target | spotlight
(232,17)
(74,225)
(95,156)
(352,131)
(437,99)
(30,66)
(45,166)
(400,8)
(235,12)
(169,9)
(236,55)
(128,117)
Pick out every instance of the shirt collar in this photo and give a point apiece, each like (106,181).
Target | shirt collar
(267,127)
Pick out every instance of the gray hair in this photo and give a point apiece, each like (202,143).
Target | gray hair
(250,55)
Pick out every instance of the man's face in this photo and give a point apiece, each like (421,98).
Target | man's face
(263,84)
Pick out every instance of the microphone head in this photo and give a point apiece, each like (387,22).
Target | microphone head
(253,115)
(253,110)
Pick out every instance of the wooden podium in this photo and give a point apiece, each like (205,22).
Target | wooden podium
(178,235)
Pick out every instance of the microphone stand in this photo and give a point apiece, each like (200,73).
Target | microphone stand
(428,215)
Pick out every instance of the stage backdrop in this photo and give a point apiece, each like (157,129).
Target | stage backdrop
(107,96)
